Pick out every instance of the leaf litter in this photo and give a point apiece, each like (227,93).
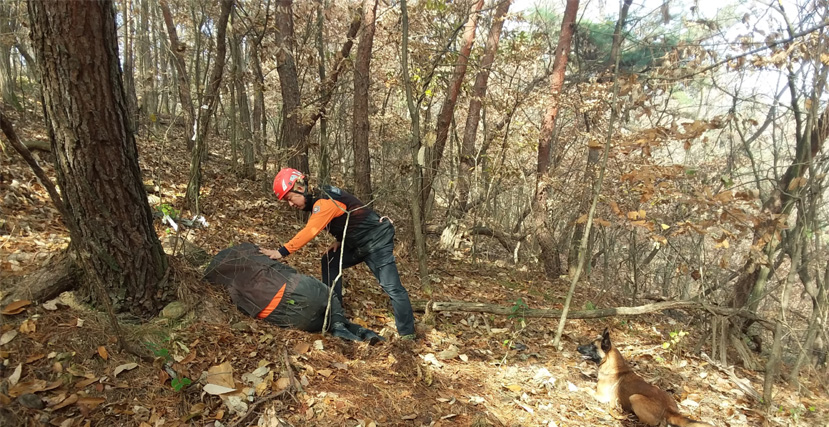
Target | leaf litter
(466,369)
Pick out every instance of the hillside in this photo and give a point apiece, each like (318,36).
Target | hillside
(63,366)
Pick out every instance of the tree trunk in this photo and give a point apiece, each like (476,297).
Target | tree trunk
(749,286)
(292,133)
(178,50)
(448,109)
(362,82)
(7,85)
(259,119)
(211,98)
(597,186)
(248,170)
(584,203)
(149,101)
(109,219)
(816,321)
(295,127)
(417,172)
(468,161)
(544,232)
(324,174)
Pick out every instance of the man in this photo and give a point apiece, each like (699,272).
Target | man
(368,238)
(269,290)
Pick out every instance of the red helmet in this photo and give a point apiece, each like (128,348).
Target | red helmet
(284,181)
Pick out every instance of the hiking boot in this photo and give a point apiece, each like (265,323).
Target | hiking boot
(408,337)
(370,336)
(339,330)
(365,334)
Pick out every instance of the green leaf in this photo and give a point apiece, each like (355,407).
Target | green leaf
(179,383)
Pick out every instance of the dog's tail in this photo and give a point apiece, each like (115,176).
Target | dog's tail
(677,419)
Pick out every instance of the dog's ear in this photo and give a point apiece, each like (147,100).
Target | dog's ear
(606,340)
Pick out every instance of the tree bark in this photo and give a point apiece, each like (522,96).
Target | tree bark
(149,95)
(108,217)
(362,82)
(178,50)
(544,231)
(324,173)
(244,126)
(211,98)
(295,125)
(468,162)
(7,79)
(447,110)
(417,171)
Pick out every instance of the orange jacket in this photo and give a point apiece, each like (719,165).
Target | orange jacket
(323,211)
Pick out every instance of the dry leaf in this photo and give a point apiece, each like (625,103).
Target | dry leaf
(92,402)
(28,326)
(302,348)
(32,386)
(189,358)
(514,387)
(66,402)
(221,375)
(35,357)
(124,367)
(78,371)
(281,384)
(325,372)
(85,383)
(7,337)
(15,376)
(16,307)
(102,351)
(217,389)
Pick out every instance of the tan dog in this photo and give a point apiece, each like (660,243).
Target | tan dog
(618,383)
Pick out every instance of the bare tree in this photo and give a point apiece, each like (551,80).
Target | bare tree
(447,110)
(467,153)
(178,50)
(543,230)
(211,99)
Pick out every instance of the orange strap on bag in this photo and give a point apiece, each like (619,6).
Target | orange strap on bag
(272,305)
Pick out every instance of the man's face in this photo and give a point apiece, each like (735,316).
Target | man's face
(296,200)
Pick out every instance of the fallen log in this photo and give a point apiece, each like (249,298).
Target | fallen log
(59,274)
(37,144)
(478,307)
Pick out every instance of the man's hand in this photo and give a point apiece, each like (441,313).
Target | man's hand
(272,254)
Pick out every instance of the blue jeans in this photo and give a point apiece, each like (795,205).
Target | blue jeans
(381,262)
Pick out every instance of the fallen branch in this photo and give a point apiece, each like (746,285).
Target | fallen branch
(58,274)
(8,129)
(477,307)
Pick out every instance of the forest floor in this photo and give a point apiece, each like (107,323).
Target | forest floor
(62,365)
